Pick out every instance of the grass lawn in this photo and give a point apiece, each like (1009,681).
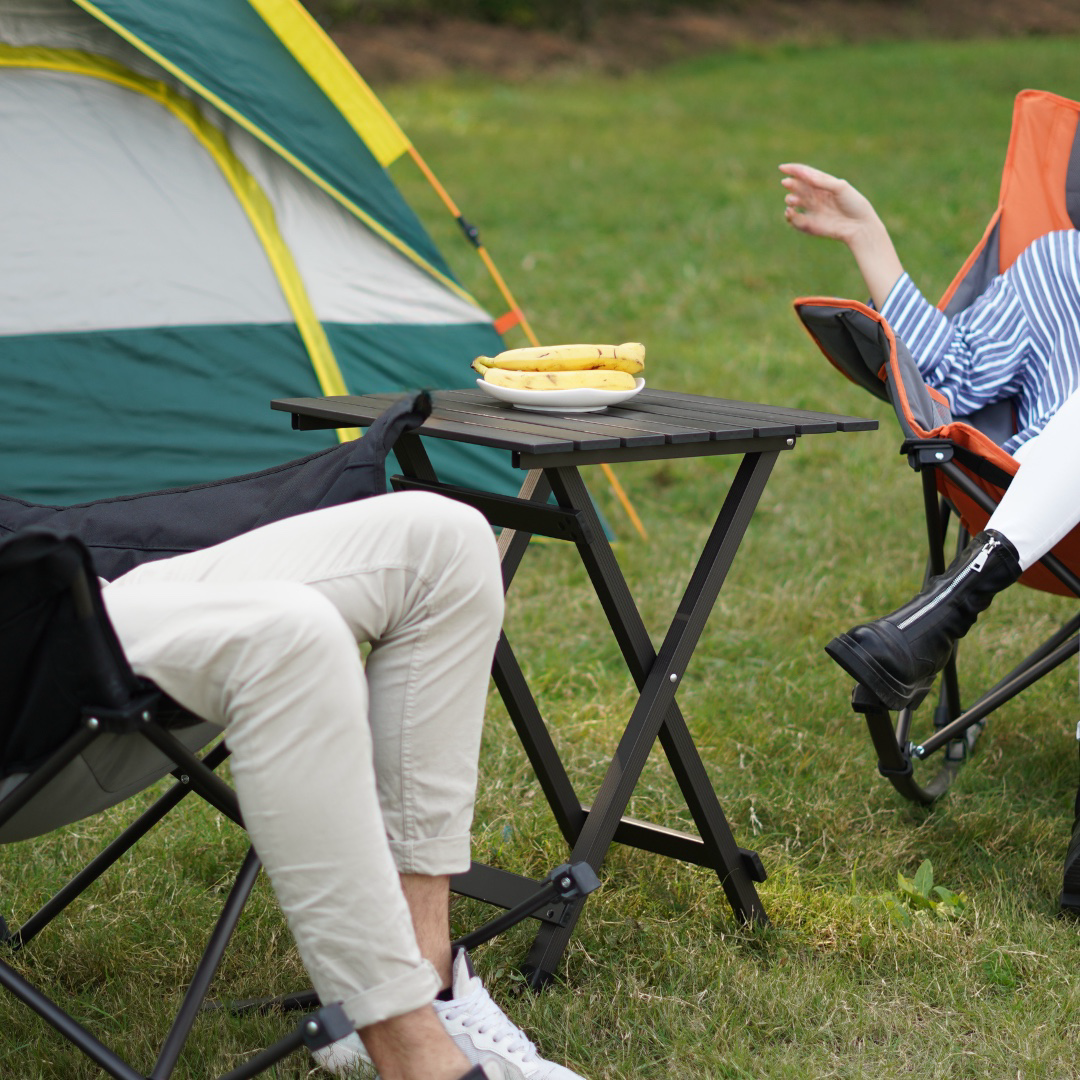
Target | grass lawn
(650,209)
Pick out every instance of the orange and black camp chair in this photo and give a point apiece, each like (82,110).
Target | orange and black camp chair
(963,468)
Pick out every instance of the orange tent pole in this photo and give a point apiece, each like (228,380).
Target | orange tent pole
(518,316)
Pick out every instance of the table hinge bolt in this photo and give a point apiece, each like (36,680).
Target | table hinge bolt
(673,677)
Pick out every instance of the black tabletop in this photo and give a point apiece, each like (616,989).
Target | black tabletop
(652,424)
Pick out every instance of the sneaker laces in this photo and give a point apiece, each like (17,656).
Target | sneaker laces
(479,1012)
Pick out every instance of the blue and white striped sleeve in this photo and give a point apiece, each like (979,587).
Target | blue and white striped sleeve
(974,358)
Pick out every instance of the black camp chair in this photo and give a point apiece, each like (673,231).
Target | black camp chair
(79,731)
(963,468)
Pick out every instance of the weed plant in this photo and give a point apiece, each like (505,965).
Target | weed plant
(649,208)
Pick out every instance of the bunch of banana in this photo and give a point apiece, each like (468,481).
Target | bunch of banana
(565,367)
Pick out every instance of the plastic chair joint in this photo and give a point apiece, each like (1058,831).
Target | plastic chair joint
(923,452)
(906,770)
(325,1027)
(572,881)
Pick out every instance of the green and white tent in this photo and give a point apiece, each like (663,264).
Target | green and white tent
(197,218)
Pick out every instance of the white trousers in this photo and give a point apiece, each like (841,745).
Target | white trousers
(347,774)
(1042,505)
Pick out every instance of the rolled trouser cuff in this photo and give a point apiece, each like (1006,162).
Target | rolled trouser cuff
(406,993)
(433,856)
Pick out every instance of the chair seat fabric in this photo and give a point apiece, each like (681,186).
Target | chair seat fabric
(124,532)
(59,657)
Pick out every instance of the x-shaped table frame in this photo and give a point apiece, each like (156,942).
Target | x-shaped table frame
(552,450)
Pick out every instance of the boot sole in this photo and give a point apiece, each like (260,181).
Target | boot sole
(864,669)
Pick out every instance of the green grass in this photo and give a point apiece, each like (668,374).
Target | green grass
(650,209)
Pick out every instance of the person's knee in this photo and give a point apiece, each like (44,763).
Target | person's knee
(459,538)
(472,559)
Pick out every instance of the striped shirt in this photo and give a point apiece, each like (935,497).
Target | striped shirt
(1020,339)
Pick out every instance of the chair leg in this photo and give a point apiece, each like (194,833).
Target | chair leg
(73,1031)
(109,855)
(565,884)
(1070,891)
(208,965)
(315,1031)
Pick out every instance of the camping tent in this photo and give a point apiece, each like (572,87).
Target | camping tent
(197,218)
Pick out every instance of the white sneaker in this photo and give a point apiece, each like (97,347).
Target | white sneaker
(481,1030)
(342,1057)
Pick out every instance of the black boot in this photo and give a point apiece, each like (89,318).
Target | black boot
(898,656)
(1070,892)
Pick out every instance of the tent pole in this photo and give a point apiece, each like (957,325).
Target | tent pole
(473,235)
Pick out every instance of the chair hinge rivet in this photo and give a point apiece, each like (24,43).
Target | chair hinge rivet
(93,723)
(791,442)
(673,677)
(146,716)
(184,778)
(312,1027)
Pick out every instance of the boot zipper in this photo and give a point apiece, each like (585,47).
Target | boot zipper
(973,567)
(980,560)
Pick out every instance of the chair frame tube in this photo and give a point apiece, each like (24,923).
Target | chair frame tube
(895,751)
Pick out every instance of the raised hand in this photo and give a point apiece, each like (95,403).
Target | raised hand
(824,205)
(820,204)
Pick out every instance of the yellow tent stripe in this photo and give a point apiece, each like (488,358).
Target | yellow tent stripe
(265,138)
(335,76)
(251,197)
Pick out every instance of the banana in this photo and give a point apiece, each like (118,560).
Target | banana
(628,357)
(560,380)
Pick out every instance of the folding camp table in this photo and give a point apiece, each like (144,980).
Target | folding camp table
(551,448)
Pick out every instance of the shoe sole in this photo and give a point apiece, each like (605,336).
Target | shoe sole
(864,669)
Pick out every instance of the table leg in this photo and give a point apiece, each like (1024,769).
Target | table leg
(656,714)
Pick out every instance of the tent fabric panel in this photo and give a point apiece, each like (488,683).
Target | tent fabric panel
(98,243)
(349,273)
(377,359)
(228,54)
(335,76)
(99,414)
(61,24)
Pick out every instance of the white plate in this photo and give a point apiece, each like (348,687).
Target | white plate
(580,400)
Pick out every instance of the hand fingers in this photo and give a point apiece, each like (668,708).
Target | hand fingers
(811,176)
(796,219)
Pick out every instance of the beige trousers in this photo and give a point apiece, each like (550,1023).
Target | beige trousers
(347,774)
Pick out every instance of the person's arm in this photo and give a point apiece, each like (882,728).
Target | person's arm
(823,205)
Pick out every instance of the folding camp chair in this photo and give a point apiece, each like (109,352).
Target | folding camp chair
(79,731)
(964,471)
